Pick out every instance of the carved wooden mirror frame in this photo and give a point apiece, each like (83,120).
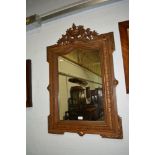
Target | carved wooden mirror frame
(76,37)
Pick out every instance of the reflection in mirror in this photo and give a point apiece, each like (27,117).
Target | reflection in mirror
(80,86)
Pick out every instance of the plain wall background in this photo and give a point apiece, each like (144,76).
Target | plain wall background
(102,19)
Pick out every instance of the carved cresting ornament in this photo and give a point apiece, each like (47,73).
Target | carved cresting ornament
(77,33)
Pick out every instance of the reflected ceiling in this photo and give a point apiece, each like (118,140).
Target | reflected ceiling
(87,59)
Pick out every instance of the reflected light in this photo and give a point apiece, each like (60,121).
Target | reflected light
(61,60)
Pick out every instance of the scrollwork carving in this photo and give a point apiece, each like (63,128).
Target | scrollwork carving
(76,33)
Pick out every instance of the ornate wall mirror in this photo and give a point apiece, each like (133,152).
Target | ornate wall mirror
(82,84)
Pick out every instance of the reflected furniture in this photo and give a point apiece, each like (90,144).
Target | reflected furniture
(77,105)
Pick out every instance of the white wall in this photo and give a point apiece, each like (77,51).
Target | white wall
(103,19)
(43,6)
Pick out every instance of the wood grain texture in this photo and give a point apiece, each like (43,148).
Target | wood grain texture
(111,127)
(124,36)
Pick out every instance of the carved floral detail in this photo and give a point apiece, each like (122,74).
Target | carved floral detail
(76,33)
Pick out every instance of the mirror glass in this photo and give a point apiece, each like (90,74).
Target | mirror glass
(80,86)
